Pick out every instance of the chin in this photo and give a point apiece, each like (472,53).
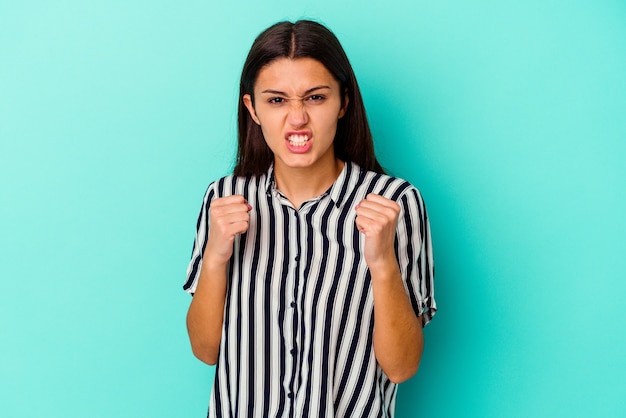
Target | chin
(298,162)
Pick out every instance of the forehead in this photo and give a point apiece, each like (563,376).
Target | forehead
(294,75)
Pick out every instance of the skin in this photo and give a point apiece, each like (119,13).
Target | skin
(301,96)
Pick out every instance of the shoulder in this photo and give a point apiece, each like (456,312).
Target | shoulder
(388,186)
(232,184)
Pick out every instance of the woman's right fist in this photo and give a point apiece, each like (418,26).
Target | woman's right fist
(228,216)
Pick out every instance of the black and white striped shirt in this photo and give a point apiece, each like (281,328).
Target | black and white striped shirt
(297,339)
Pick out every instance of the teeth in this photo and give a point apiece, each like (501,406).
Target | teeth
(298,140)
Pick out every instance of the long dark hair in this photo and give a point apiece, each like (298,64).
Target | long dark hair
(304,38)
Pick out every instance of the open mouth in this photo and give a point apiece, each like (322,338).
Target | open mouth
(298,140)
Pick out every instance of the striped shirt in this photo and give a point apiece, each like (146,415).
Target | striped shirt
(297,337)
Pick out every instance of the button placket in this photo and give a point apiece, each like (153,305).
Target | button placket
(293,351)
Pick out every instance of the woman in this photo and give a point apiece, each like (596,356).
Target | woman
(312,270)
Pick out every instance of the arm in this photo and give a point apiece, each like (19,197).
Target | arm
(229,217)
(398,338)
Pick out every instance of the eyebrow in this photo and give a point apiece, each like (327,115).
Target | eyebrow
(282,93)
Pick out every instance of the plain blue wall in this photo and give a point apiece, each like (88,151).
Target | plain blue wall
(509,116)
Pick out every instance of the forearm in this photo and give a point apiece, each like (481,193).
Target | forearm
(398,338)
(206,313)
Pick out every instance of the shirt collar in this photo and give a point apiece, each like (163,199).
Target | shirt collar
(345,183)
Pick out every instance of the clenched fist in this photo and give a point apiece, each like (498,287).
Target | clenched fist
(228,216)
(377,218)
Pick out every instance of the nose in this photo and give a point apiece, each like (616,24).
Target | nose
(297,115)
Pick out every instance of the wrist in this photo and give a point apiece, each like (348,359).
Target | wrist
(384,269)
(213,264)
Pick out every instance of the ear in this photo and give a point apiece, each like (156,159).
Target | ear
(247,101)
(344,106)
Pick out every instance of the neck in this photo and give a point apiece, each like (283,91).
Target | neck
(301,184)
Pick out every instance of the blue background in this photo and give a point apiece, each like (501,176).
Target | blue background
(509,116)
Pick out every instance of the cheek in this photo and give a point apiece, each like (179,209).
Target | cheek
(272,132)
(269,117)
(328,121)
(267,123)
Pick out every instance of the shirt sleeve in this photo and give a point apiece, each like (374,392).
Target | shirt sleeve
(202,234)
(415,255)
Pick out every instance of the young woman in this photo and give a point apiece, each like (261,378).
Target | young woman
(312,270)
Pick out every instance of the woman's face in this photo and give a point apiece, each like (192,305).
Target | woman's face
(297,103)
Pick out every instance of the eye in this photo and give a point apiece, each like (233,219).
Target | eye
(316,98)
(276,100)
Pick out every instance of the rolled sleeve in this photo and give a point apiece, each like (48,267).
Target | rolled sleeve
(415,254)
(202,234)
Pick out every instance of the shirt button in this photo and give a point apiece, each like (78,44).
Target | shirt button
(293,304)
(293,351)
(290,395)
(297,258)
